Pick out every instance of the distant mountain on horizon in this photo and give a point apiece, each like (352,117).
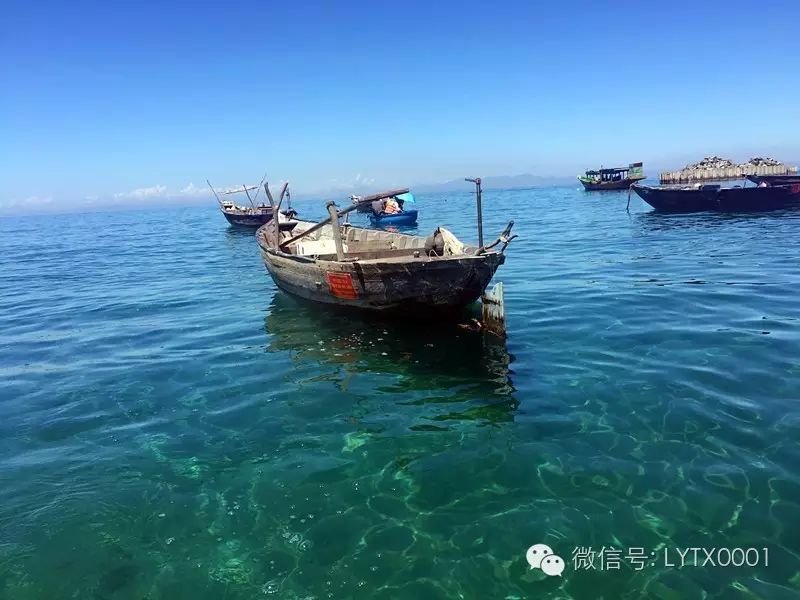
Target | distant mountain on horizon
(524,180)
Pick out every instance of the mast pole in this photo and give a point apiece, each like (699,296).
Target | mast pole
(258,191)
(477,182)
(244,187)
(213,190)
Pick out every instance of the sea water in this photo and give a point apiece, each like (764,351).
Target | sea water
(171,426)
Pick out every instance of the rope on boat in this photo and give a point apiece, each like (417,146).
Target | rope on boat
(263,179)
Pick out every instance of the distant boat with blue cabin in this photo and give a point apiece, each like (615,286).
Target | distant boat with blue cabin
(616,178)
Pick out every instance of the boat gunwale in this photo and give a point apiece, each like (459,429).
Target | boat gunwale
(592,180)
(407,256)
(712,187)
(241,211)
(387,260)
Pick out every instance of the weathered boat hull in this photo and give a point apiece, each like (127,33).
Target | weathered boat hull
(407,217)
(712,198)
(381,272)
(623,184)
(255,221)
(422,287)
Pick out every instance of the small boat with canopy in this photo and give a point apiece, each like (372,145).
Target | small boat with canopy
(617,178)
(388,208)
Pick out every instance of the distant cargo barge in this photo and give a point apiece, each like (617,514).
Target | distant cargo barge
(713,197)
(727,173)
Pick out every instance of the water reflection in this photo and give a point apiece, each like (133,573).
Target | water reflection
(365,222)
(468,366)
(233,232)
(657,221)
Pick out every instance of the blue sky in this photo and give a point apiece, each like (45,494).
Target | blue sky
(132,101)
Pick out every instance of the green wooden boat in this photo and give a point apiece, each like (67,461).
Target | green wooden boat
(617,178)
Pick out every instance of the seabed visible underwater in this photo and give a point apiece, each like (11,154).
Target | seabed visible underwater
(172,427)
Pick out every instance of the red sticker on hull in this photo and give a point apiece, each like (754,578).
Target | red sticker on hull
(341,285)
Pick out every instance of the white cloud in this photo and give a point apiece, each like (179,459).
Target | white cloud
(359,180)
(189,191)
(237,188)
(29,201)
(193,190)
(356,184)
(146,192)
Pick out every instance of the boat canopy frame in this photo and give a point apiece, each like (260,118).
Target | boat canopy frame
(616,173)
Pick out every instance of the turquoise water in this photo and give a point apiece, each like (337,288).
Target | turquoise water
(171,427)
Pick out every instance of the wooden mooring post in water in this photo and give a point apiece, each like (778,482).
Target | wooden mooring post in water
(493,311)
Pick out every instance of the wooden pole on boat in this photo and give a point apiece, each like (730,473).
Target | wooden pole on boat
(273,225)
(477,182)
(258,191)
(269,194)
(244,187)
(337,231)
(214,191)
(283,191)
(276,208)
(319,225)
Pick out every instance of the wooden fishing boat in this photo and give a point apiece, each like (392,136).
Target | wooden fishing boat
(254,215)
(617,178)
(243,216)
(379,271)
(700,198)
